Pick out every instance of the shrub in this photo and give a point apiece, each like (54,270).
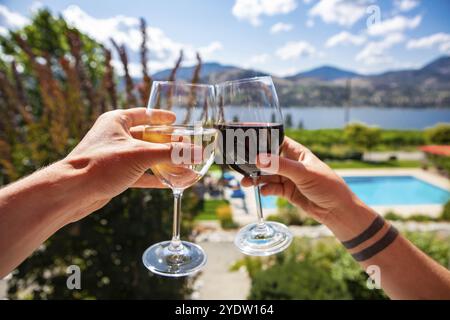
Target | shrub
(361,136)
(391,215)
(322,269)
(225,217)
(445,215)
(440,134)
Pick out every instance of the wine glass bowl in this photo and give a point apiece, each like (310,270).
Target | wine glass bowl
(251,123)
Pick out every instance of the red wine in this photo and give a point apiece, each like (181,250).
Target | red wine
(239,143)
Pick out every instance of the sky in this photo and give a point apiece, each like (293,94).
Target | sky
(282,37)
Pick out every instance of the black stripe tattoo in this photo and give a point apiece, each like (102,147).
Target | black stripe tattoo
(376,226)
(378,246)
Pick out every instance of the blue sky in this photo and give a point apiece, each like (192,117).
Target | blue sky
(277,36)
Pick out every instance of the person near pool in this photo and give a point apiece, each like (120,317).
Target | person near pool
(111,158)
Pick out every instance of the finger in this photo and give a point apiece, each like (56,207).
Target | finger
(142,116)
(148,181)
(279,165)
(292,149)
(279,189)
(248,182)
(137,132)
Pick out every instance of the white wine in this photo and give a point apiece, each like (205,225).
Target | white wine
(189,163)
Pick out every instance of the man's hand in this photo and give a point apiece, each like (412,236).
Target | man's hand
(113,158)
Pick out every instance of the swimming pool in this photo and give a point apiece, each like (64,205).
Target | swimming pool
(396,190)
(387,190)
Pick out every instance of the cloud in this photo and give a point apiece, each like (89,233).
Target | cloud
(406,5)
(10,19)
(345,37)
(442,40)
(343,12)
(280,27)
(125,30)
(252,10)
(375,52)
(394,25)
(207,52)
(259,59)
(294,49)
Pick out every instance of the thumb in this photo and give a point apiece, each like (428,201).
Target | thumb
(275,164)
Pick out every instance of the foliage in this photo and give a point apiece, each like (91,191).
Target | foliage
(54,83)
(331,144)
(225,217)
(208,211)
(445,215)
(361,137)
(440,134)
(289,214)
(322,269)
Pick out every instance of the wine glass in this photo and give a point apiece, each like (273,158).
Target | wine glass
(251,123)
(195,136)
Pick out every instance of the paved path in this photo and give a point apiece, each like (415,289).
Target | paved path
(216,281)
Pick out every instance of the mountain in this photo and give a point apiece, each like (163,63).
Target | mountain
(185,73)
(326,73)
(428,86)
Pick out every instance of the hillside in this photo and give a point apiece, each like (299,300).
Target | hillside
(428,86)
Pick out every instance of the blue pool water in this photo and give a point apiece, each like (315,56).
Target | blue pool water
(269,202)
(387,190)
(396,190)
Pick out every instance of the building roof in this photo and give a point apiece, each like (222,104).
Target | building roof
(436,150)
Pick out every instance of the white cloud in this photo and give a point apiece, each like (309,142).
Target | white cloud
(207,52)
(342,12)
(310,23)
(345,37)
(259,59)
(252,10)
(441,40)
(281,27)
(125,30)
(375,52)
(394,25)
(294,49)
(406,5)
(10,19)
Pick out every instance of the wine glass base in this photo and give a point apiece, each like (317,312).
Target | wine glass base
(265,240)
(162,260)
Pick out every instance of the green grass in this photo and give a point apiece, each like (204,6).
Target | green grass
(209,210)
(353,164)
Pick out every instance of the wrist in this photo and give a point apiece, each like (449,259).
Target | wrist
(350,219)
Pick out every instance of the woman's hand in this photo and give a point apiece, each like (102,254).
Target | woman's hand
(304,180)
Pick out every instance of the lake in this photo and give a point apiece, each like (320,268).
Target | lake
(387,118)
(334,117)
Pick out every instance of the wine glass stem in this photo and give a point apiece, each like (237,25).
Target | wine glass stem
(258,202)
(175,243)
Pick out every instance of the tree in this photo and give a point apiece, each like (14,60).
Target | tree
(362,137)
(55,82)
(440,134)
(288,121)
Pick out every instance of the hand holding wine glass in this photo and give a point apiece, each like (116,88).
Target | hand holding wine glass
(250,123)
(194,106)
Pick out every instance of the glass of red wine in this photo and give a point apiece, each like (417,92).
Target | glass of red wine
(251,123)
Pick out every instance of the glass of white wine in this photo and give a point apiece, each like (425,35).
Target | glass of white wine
(195,140)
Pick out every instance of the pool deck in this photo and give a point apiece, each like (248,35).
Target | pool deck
(433,210)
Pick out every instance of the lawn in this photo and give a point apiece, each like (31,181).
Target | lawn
(209,209)
(354,164)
